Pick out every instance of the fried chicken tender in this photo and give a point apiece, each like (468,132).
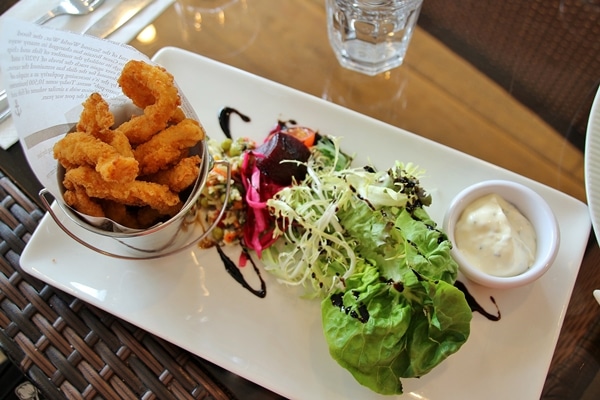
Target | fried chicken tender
(151,88)
(118,212)
(135,193)
(134,173)
(177,116)
(81,148)
(78,199)
(147,216)
(96,116)
(180,176)
(165,148)
(97,120)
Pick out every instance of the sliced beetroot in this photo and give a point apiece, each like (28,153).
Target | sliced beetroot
(278,148)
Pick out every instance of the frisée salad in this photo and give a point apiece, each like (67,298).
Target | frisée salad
(360,241)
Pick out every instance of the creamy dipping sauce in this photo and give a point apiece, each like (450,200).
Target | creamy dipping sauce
(495,237)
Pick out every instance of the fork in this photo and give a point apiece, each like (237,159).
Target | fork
(70,7)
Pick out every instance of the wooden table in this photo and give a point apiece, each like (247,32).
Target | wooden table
(435,94)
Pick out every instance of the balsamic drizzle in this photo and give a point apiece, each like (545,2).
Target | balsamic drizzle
(235,272)
(360,313)
(225,117)
(232,269)
(475,306)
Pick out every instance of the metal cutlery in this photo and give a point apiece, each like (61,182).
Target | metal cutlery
(70,7)
(117,17)
(4,109)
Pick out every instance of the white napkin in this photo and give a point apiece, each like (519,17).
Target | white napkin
(30,10)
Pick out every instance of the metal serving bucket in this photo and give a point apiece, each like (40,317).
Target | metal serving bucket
(179,232)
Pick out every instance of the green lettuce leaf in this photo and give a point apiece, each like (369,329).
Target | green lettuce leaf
(395,240)
(382,331)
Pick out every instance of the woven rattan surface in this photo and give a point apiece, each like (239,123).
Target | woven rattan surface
(72,350)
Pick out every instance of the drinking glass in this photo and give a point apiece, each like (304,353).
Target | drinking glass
(371,36)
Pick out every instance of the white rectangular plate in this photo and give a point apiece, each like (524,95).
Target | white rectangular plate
(277,342)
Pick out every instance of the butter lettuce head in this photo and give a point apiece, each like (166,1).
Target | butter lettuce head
(382,331)
(400,315)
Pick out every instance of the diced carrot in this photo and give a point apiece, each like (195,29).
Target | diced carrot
(237,205)
(305,135)
(219,171)
(229,237)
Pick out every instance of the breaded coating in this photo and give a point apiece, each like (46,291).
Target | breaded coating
(164,149)
(118,212)
(180,176)
(177,116)
(78,199)
(151,88)
(96,119)
(96,116)
(147,216)
(81,148)
(135,193)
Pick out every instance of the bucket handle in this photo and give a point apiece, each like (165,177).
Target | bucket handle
(44,193)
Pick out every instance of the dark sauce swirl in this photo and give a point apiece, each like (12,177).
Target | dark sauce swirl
(236,274)
(225,118)
(475,306)
(232,268)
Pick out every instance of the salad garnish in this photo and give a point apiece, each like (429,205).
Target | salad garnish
(361,242)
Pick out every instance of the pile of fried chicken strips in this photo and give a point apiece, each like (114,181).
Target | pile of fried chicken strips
(133,173)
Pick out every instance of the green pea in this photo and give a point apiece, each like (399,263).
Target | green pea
(236,149)
(226,144)
(217,233)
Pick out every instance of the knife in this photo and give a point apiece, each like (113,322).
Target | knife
(116,17)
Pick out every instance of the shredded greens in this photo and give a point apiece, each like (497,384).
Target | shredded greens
(324,220)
